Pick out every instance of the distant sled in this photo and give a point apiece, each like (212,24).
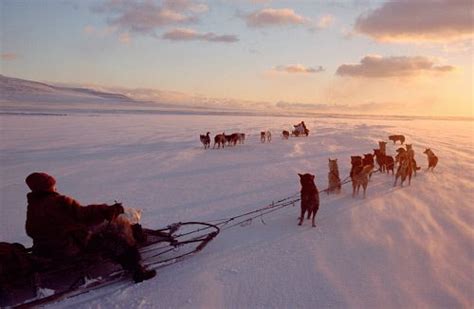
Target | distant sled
(300,129)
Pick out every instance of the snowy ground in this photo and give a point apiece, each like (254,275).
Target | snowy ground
(399,248)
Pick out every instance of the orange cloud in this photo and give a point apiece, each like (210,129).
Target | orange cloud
(325,21)
(377,67)
(274,17)
(298,68)
(418,21)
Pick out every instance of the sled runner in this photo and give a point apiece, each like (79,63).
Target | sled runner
(55,280)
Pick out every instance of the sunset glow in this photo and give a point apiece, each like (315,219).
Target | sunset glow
(403,57)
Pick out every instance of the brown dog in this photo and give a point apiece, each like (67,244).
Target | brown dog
(405,170)
(265,136)
(386,163)
(432,159)
(382,147)
(219,139)
(356,165)
(333,177)
(368,160)
(241,138)
(205,140)
(309,198)
(411,156)
(361,179)
(396,138)
(285,134)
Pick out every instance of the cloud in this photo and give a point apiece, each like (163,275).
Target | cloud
(325,21)
(144,17)
(89,29)
(124,38)
(274,17)
(377,66)
(8,56)
(186,5)
(298,68)
(102,33)
(181,34)
(418,21)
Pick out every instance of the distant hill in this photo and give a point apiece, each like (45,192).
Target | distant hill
(21,90)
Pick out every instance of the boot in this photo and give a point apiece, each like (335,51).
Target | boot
(141,273)
(138,233)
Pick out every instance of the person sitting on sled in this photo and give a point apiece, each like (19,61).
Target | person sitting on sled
(61,228)
(301,128)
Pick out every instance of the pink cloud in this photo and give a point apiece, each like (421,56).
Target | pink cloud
(186,5)
(274,17)
(9,56)
(298,68)
(418,21)
(378,67)
(192,35)
(144,17)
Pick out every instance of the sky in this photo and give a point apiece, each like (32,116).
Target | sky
(402,57)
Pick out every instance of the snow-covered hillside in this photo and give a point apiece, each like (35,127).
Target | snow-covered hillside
(20,90)
(408,247)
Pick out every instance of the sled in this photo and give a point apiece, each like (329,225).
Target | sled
(298,133)
(56,281)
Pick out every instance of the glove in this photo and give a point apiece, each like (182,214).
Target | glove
(115,210)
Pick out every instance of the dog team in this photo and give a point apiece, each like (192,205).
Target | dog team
(361,171)
(222,139)
(234,138)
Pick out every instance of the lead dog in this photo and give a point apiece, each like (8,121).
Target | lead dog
(309,198)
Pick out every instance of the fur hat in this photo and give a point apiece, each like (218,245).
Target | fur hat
(40,182)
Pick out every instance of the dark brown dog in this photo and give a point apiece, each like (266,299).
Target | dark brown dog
(405,170)
(368,160)
(285,134)
(233,139)
(386,163)
(383,147)
(241,138)
(432,159)
(356,163)
(205,140)
(309,198)
(219,139)
(396,138)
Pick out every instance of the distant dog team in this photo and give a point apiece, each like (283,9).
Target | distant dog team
(362,167)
